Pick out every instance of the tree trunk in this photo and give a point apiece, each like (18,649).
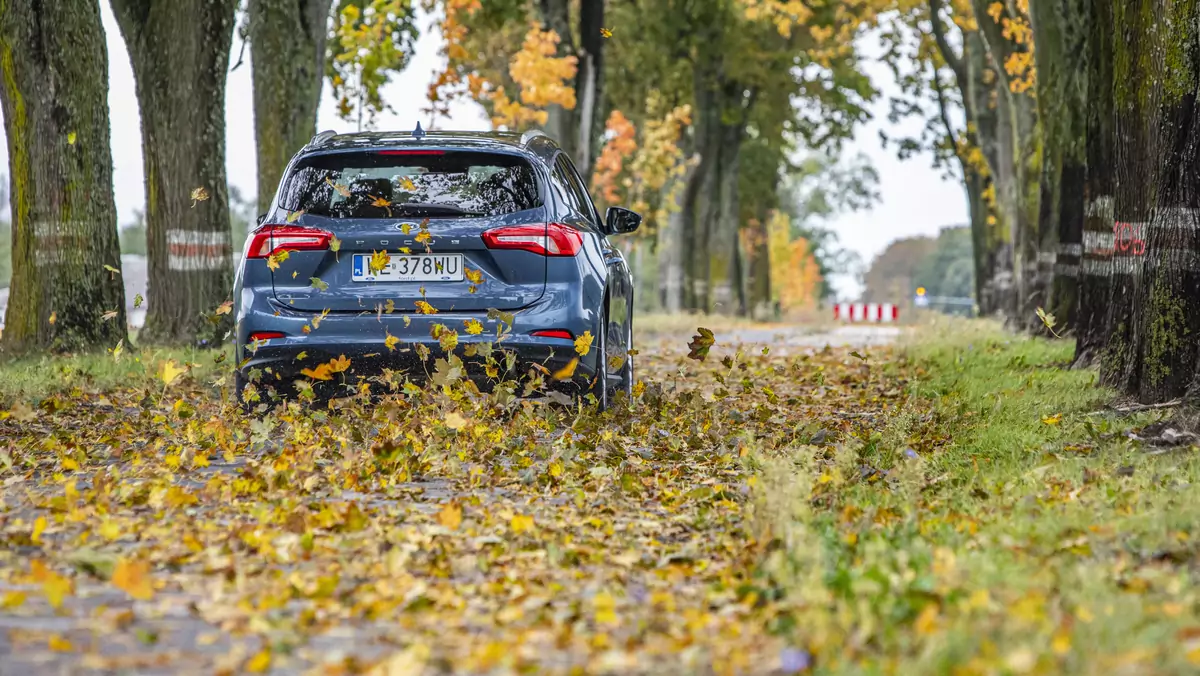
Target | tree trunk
(1016,173)
(1134,97)
(179,50)
(1096,264)
(1170,291)
(287,54)
(578,130)
(1060,30)
(670,245)
(54,95)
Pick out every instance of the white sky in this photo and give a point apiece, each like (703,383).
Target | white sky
(915,200)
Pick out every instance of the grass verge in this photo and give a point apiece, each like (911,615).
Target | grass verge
(36,378)
(993,527)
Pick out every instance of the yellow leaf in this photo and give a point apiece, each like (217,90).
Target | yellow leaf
(583,344)
(1061,645)
(379,260)
(520,523)
(605,33)
(474,276)
(567,371)
(259,663)
(170,372)
(341,363)
(342,190)
(407,184)
(605,608)
(110,530)
(53,318)
(199,195)
(12,599)
(225,307)
(59,644)
(294,216)
(321,372)
(110,315)
(425,308)
(455,421)
(133,577)
(926,622)
(390,342)
(54,586)
(1052,419)
(451,515)
(473,327)
(71,138)
(275,259)
(39,527)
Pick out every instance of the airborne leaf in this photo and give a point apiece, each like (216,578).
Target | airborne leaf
(701,343)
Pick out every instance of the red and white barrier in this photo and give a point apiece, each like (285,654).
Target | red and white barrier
(866,312)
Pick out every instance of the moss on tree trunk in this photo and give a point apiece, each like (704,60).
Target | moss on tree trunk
(179,50)
(54,93)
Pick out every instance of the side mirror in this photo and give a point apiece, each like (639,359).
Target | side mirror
(260,219)
(620,220)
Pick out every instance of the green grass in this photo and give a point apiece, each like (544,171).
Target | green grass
(1000,541)
(36,378)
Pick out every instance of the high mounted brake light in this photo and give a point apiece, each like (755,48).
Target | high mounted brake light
(552,239)
(269,239)
(410,152)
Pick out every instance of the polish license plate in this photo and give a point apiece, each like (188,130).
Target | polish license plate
(421,268)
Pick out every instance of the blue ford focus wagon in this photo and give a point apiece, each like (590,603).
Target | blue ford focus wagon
(377,244)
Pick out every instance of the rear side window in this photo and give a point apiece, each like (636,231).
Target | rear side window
(398,183)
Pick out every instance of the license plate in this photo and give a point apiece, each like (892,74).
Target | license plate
(423,268)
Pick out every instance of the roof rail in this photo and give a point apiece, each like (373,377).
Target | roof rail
(532,134)
(322,137)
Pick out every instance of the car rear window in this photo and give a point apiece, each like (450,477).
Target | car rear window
(399,183)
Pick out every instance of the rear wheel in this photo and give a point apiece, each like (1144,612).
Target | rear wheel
(600,385)
(627,377)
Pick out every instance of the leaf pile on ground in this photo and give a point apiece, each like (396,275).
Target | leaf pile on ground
(152,526)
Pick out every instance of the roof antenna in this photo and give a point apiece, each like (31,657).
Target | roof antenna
(418,132)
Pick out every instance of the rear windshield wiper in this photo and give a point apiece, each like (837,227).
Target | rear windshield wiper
(427,209)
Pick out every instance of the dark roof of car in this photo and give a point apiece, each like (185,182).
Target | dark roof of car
(367,139)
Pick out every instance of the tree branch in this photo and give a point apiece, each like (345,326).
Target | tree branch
(944,115)
(948,54)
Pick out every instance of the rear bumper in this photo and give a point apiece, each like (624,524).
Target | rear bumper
(362,339)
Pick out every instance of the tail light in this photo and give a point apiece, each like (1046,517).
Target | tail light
(552,239)
(553,333)
(265,335)
(271,238)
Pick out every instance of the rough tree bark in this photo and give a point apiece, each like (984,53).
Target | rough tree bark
(1060,30)
(1135,103)
(1170,292)
(179,50)
(54,95)
(579,129)
(1091,332)
(287,54)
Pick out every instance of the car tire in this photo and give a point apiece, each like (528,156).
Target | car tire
(600,385)
(627,374)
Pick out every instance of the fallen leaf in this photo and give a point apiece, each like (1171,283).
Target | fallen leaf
(451,515)
(133,577)
(199,195)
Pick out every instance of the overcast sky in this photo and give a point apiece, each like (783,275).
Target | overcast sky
(915,200)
